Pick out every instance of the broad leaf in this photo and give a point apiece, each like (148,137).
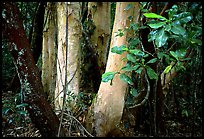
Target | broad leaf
(126,79)
(161,38)
(153,15)
(167,69)
(21,105)
(156,25)
(131,58)
(178,30)
(137,52)
(151,73)
(174,55)
(118,50)
(108,76)
(129,68)
(133,92)
(139,70)
(152,60)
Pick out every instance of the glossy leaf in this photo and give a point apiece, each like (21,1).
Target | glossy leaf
(118,50)
(156,25)
(131,58)
(139,70)
(174,55)
(153,15)
(129,68)
(178,30)
(108,76)
(133,92)
(161,38)
(126,79)
(152,60)
(21,105)
(151,73)
(167,69)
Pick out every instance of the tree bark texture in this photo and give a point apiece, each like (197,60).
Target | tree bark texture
(109,104)
(73,59)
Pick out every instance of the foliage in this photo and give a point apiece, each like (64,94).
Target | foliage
(13,110)
(179,28)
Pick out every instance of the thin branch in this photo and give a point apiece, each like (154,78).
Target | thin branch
(146,97)
(80,124)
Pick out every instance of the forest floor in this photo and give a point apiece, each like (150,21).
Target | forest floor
(16,125)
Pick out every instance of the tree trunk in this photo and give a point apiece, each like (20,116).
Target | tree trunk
(73,59)
(100,12)
(39,109)
(109,104)
(49,52)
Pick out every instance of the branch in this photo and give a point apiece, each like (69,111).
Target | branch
(146,97)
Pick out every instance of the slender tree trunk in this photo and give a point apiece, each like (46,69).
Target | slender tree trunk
(49,52)
(109,104)
(39,109)
(73,59)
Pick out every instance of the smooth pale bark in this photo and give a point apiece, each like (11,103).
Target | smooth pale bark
(109,104)
(49,51)
(100,12)
(73,59)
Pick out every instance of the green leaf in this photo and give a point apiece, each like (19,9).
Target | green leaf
(139,70)
(108,76)
(137,52)
(156,25)
(128,7)
(5,110)
(183,17)
(21,105)
(126,79)
(131,58)
(152,60)
(22,112)
(174,55)
(161,38)
(153,15)
(151,73)
(152,35)
(178,30)
(133,92)
(129,68)
(167,69)
(167,27)
(118,50)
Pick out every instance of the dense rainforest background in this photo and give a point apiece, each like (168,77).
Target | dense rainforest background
(94,69)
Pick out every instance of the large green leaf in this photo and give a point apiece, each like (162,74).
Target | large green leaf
(139,70)
(131,58)
(174,55)
(151,73)
(178,30)
(108,76)
(129,68)
(118,50)
(137,52)
(126,79)
(183,17)
(153,15)
(161,38)
(156,25)
(152,61)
